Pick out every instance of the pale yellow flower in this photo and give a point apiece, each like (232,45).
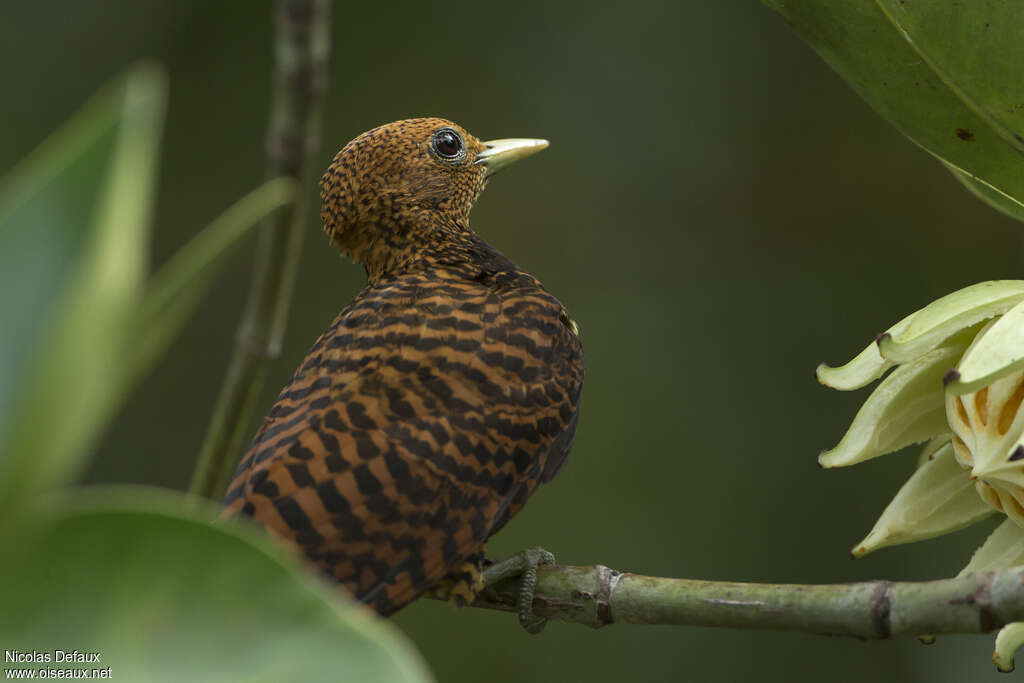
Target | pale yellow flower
(958,384)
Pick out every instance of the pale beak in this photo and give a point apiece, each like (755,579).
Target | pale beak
(500,153)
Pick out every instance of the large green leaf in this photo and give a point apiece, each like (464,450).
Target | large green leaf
(857,39)
(74,220)
(165,597)
(978,51)
(79,326)
(174,292)
(1003,203)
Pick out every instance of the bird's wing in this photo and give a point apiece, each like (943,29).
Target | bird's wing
(420,422)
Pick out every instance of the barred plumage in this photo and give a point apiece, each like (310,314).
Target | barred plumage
(425,416)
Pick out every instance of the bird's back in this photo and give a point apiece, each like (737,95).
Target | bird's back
(419,423)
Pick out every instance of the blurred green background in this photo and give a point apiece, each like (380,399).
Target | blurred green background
(718,211)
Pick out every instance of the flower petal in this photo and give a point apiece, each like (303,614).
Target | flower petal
(932,448)
(997,351)
(1003,548)
(907,407)
(988,428)
(1008,641)
(937,499)
(866,366)
(944,317)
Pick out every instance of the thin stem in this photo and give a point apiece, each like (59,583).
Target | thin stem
(597,596)
(301,48)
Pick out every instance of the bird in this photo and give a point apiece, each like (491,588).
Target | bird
(440,397)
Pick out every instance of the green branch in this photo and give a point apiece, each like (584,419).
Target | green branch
(597,596)
(301,48)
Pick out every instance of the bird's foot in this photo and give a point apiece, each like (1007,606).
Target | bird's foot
(462,583)
(524,565)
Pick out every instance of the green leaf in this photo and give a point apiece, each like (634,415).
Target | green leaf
(175,291)
(856,38)
(166,597)
(1001,202)
(906,407)
(74,220)
(937,499)
(976,48)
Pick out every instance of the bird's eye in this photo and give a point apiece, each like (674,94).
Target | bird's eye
(448,144)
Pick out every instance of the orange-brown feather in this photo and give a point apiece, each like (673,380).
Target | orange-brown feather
(431,408)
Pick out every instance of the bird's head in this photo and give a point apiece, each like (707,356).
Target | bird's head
(406,185)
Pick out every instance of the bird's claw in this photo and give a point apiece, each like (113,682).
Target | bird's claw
(462,584)
(524,565)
